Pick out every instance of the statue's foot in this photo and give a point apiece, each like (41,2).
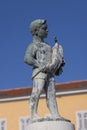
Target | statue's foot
(49,116)
(35,117)
(58,117)
(54,117)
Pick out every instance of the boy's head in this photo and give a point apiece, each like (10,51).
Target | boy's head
(39,28)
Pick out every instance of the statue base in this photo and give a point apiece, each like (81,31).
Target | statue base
(51,125)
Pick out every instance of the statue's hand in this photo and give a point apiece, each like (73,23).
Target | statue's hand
(46,68)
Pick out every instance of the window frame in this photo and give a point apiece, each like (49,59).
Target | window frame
(3,126)
(26,120)
(81,120)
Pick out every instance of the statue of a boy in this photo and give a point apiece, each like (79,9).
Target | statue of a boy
(46,62)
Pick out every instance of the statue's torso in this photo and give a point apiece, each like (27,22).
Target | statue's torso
(43,53)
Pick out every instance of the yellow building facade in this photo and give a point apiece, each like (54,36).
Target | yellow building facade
(71,98)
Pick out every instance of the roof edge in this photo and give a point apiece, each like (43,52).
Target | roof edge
(61,88)
(65,93)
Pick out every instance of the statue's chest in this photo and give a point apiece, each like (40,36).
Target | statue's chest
(44,52)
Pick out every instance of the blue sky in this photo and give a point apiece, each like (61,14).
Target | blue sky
(67,19)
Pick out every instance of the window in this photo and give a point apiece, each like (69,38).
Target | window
(81,120)
(23,122)
(2,124)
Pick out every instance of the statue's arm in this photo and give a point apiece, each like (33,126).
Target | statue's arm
(30,57)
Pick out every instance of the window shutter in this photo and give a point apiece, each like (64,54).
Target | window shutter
(2,124)
(81,120)
(85,120)
(24,122)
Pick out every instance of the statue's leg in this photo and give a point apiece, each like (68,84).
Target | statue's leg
(51,98)
(38,85)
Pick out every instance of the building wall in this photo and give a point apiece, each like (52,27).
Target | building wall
(68,106)
(12,111)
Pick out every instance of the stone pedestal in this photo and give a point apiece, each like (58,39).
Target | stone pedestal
(51,125)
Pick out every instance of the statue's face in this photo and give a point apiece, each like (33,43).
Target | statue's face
(43,31)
